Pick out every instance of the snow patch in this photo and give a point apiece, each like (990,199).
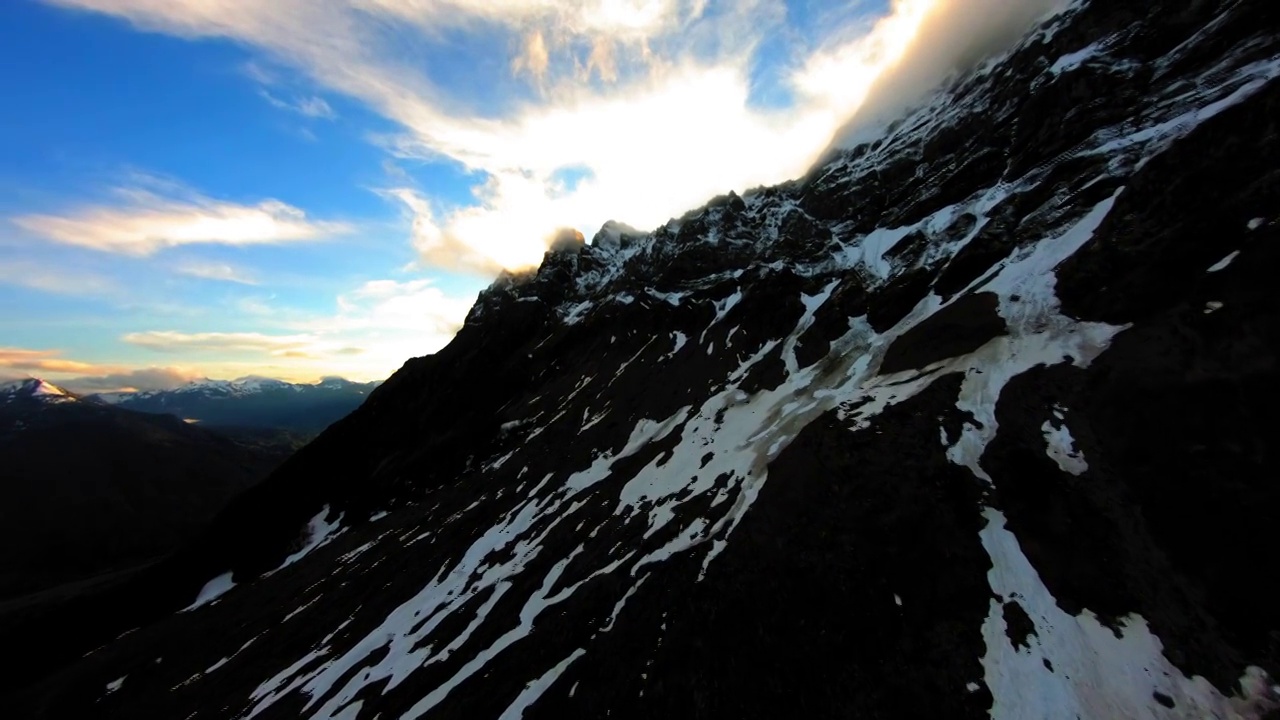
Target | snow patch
(1071,61)
(1061,448)
(1155,138)
(869,251)
(318,532)
(680,340)
(671,298)
(575,314)
(722,309)
(534,690)
(1224,262)
(212,590)
(1095,673)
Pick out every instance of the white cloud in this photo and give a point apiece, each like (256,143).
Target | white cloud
(670,123)
(376,327)
(144,222)
(622,18)
(415,305)
(450,252)
(652,153)
(951,37)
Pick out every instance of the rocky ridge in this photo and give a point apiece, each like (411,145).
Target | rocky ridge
(972,421)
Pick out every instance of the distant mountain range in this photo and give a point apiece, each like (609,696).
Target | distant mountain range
(251,402)
(89,489)
(93,485)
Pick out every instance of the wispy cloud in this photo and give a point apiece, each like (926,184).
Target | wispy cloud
(534,58)
(143,222)
(51,278)
(259,73)
(208,270)
(311,106)
(629,89)
(41,361)
(178,342)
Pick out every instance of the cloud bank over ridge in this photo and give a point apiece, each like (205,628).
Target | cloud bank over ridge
(951,39)
(649,107)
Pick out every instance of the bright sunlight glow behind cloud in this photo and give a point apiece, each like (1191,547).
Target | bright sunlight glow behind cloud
(497,122)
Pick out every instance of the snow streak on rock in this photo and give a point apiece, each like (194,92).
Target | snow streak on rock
(721,450)
(722,453)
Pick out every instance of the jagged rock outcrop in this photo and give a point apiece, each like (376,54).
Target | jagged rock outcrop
(973,420)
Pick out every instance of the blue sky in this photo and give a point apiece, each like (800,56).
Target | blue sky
(300,188)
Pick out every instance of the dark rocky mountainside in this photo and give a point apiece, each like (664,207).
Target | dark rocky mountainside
(975,420)
(87,489)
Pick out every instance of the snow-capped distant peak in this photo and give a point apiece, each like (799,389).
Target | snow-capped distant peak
(242,387)
(40,387)
(205,384)
(34,388)
(256,383)
(247,385)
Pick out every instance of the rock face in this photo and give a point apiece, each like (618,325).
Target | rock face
(973,421)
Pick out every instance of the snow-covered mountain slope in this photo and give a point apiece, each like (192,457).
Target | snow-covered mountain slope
(252,402)
(973,421)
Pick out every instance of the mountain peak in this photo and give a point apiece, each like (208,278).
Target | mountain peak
(920,435)
(611,235)
(205,383)
(257,383)
(34,388)
(245,385)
